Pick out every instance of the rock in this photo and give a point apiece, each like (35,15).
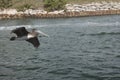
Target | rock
(9,11)
(93,6)
(70,11)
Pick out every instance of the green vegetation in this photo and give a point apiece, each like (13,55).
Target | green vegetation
(24,7)
(33,3)
(51,5)
(5,4)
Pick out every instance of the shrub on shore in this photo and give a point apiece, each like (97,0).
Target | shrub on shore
(49,5)
(24,7)
(52,5)
(5,4)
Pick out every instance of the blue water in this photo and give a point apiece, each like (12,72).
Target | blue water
(85,48)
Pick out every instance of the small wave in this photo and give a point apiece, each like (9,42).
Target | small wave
(90,75)
(118,56)
(105,33)
(63,71)
(100,24)
(20,66)
(32,68)
(3,75)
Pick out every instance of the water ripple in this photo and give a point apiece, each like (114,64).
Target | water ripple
(84,48)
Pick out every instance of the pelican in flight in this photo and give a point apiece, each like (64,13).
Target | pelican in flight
(32,37)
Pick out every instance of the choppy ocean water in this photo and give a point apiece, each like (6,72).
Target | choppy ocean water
(85,48)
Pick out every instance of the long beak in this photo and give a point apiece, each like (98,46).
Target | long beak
(42,34)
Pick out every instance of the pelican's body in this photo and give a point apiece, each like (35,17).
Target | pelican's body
(23,34)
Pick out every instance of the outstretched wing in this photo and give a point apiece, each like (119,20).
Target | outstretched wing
(34,41)
(20,32)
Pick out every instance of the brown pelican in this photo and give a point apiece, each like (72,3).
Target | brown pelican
(23,34)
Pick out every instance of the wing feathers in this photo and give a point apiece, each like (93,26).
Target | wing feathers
(20,32)
(34,41)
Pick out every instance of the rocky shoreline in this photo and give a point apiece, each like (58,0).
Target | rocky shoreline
(72,10)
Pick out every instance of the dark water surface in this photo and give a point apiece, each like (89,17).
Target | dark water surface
(86,48)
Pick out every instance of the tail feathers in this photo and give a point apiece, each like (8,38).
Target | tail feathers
(12,38)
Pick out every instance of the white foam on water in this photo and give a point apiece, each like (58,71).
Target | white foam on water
(30,26)
(13,27)
(67,24)
(100,24)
